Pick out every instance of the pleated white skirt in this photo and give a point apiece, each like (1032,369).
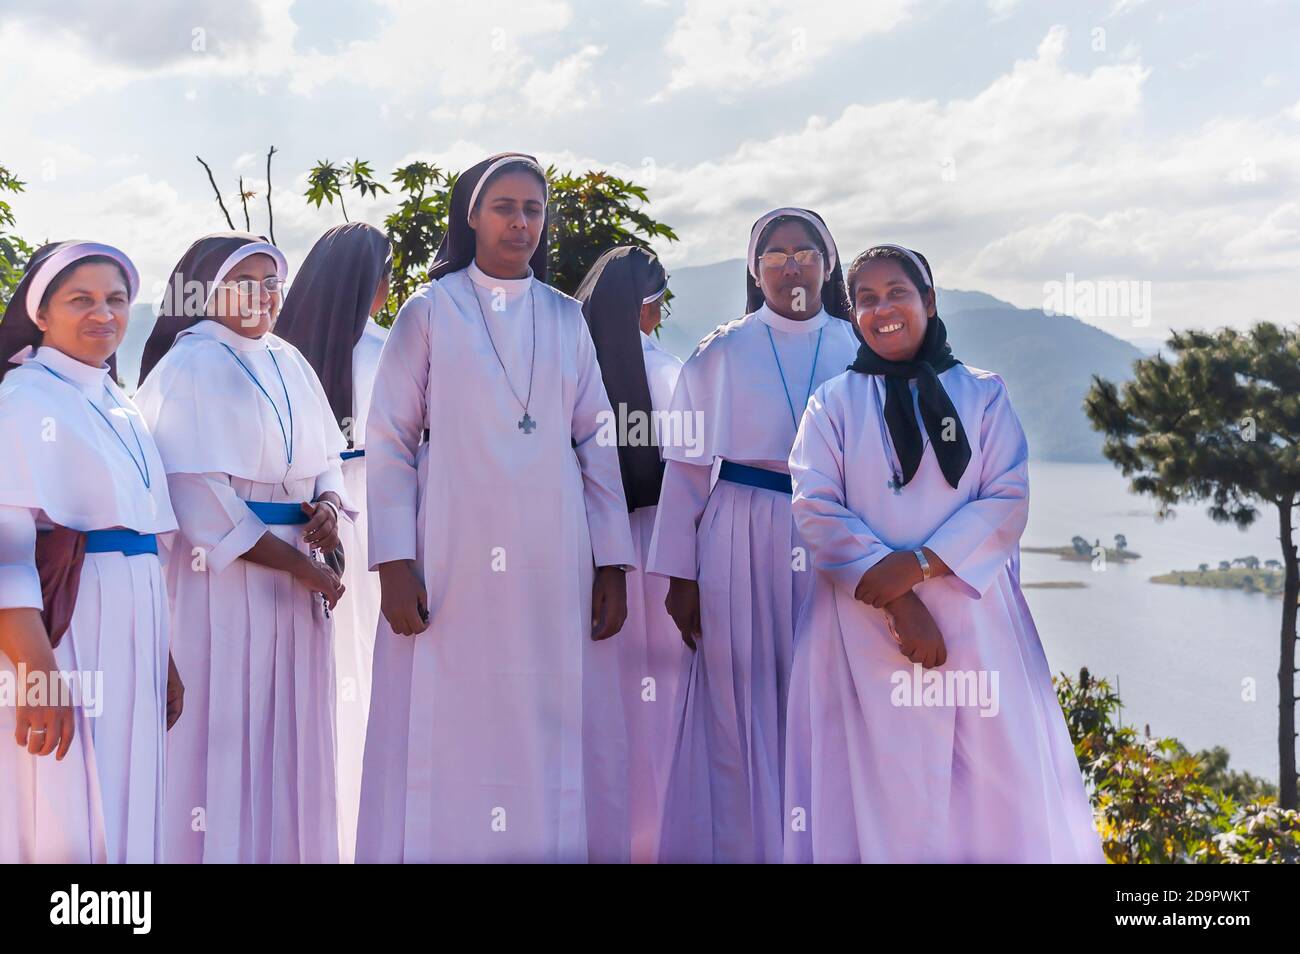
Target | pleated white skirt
(103,802)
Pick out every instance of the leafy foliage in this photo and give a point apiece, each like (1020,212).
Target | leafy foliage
(1155,802)
(589,212)
(14,252)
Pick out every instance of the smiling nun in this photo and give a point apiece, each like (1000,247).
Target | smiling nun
(82,603)
(923,725)
(252,451)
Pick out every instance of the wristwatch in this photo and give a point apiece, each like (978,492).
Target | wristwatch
(925,564)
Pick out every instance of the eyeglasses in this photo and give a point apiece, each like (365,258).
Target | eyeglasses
(274,285)
(803,258)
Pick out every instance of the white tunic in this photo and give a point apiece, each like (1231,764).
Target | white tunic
(252,775)
(70,466)
(746,383)
(968,762)
(358,613)
(477,748)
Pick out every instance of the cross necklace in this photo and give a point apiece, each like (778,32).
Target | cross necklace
(526,423)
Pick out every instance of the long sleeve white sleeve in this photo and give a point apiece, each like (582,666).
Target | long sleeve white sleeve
(843,546)
(397,418)
(682,498)
(20,582)
(980,538)
(213,518)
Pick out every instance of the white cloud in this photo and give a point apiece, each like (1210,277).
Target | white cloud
(568,86)
(729,46)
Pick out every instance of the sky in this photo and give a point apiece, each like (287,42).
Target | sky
(1025,146)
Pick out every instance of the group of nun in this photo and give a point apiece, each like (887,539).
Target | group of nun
(394,595)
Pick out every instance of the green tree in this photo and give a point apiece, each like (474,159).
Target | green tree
(1219,421)
(14,252)
(589,213)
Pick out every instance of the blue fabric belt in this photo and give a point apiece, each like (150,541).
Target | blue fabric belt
(121,541)
(756,477)
(350,454)
(277,513)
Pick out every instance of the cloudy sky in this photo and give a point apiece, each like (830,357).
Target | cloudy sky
(1014,141)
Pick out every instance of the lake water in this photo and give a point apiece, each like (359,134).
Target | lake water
(1179,655)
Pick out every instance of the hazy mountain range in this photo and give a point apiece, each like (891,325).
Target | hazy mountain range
(1047,361)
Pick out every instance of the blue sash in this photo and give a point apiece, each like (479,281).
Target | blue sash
(756,477)
(277,513)
(121,540)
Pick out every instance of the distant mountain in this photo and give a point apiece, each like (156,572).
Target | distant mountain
(1047,362)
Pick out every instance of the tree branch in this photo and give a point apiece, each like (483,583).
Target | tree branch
(217,191)
(270,215)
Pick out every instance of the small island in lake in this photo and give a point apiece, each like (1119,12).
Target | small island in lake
(1081,551)
(1243,573)
(1055,585)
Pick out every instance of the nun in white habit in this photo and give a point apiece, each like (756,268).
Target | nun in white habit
(502,542)
(251,447)
(329,317)
(923,726)
(738,568)
(621,298)
(82,602)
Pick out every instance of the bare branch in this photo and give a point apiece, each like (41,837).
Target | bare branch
(217,192)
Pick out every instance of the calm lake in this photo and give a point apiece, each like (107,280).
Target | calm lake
(1180,656)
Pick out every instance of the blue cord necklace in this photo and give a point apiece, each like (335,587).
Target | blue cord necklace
(286,437)
(781,371)
(142,465)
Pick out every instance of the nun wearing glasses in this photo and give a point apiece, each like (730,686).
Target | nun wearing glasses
(83,609)
(252,452)
(738,570)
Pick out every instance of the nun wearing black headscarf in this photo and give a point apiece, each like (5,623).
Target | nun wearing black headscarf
(252,452)
(501,544)
(83,500)
(328,315)
(911,491)
(736,563)
(621,299)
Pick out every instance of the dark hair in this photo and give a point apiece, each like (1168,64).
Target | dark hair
(65,273)
(894,255)
(834,298)
(516,165)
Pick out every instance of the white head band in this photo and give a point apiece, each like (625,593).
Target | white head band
(920,266)
(815,222)
(50,268)
(504,161)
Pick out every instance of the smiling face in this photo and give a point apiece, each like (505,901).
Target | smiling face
(791,289)
(508,223)
(242,302)
(891,312)
(86,315)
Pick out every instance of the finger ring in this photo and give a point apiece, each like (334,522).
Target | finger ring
(37,731)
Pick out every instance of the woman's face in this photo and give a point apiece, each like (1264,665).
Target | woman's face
(891,312)
(651,315)
(791,289)
(86,317)
(243,302)
(508,223)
